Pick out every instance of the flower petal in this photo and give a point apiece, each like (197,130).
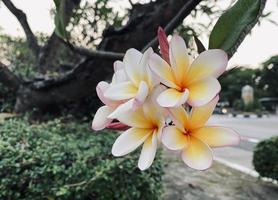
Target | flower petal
(172,98)
(144,63)
(197,155)
(173,138)
(119,76)
(142,92)
(131,62)
(121,91)
(179,58)
(122,109)
(129,140)
(148,152)
(179,117)
(200,115)
(162,70)
(135,119)
(217,136)
(118,65)
(209,63)
(100,89)
(203,91)
(101,119)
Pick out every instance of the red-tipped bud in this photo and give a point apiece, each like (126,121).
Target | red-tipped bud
(164,44)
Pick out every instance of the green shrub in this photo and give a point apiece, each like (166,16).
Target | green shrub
(265,159)
(57,160)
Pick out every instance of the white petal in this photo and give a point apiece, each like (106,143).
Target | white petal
(172,98)
(197,155)
(142,93)
(203,91)
(180,117)
(135,119)
(100,89)
(217,136)
(209,63)
(179,57)
(101,119)
(118,65)
(129,140)
(119,76)
(121,91)
(162,70)
(143,65)
(200,115)
(148,152)
(131,61)
(173,138)
(122,109)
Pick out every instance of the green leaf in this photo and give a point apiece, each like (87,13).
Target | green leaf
(61,19)
(232,27)
(199,44)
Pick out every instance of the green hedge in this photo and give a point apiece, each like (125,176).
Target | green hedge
(265,159)
(56,160)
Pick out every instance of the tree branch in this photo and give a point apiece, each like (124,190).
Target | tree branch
(93,53)
(8,79)
(21,17)
(79,84)
(176,21)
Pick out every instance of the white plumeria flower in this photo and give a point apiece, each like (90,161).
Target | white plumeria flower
(193,138)
(101,119)
(140,82)
(146,125)
(194,83)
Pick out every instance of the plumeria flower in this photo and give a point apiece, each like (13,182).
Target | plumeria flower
(146,125)
(195,83)
(101,119)
(140,82)
(193,138)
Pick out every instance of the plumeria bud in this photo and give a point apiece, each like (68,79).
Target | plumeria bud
(163,44)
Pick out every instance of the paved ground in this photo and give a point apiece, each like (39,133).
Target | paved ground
(259,128)
(217,183)
(252,130)
(221,182)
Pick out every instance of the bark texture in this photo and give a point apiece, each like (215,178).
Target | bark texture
(81,81)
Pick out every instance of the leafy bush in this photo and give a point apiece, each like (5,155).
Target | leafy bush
(265,159)
(57,160)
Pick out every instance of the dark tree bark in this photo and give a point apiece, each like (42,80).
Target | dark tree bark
(8,79)
(79,83)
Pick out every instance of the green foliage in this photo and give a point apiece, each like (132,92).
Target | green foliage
(266,77)
(265,159)
(233,81)
(234,24)
(251,107)
(15,50)
(61,20)
(88,21)
(66,160)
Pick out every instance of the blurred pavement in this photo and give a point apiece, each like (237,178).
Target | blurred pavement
(251,130)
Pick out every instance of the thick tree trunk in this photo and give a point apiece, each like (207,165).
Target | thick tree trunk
(79,83)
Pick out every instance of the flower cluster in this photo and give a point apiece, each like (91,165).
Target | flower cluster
(150,96)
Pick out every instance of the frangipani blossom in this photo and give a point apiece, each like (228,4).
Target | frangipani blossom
(146,125)
(140,82)
(143,106)
(195,83)
(194,138)
(101,119)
